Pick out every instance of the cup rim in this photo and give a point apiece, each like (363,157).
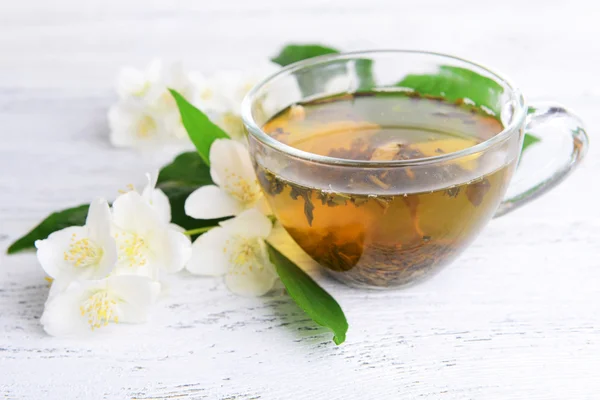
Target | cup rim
(257,132)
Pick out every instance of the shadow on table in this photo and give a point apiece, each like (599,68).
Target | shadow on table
(291,317)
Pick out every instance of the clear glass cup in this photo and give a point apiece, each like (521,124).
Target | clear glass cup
(377,263)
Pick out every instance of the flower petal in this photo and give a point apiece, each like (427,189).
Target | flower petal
(51,252)
(263,206)
(174,127)
(133,214)
(176,250)
(229,157)
(130,81)
(152,180)
(140,235)
(136,294)
(208,255)
(239,82)
(98,218)
(146,114)
(249,224)
(176,228)
(209,202)
(161,204)
(154,70)
(107,263)
(177,77)
(99,224)
(133,125)
(218,91)
(157,199)
(62,315)
(255,279)
(146,244)
(57,287)
(232,123)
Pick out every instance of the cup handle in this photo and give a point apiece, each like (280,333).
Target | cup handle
(559,131)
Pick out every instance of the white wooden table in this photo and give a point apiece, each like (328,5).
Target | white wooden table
(517,316)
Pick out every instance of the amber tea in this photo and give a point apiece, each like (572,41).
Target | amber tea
(385,227)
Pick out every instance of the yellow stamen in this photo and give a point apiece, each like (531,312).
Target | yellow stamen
(232,123)
(143,90)
(247,192)
(83,252)
(100,309)
(206,94)
(132,249)
(146,127)
(244,255)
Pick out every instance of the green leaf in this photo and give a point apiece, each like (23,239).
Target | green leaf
(453,83)
(364,70)
(313,299)
(187,168)
(54,222)
(297,52)
(529,140)
(201,130)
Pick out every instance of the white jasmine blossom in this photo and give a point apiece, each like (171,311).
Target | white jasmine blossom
(146,243)
(132,82)
(80,252)
(85,306)
(146,113)
(221,96)
(107,271)
(237,249)
(132,124)
(236,188)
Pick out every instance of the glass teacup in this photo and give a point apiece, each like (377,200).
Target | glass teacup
(398,214)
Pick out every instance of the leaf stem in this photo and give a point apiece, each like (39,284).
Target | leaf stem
(197,231)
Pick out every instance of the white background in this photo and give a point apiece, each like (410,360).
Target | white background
(516,317)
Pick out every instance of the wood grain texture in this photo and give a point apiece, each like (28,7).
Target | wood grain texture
(516,317)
